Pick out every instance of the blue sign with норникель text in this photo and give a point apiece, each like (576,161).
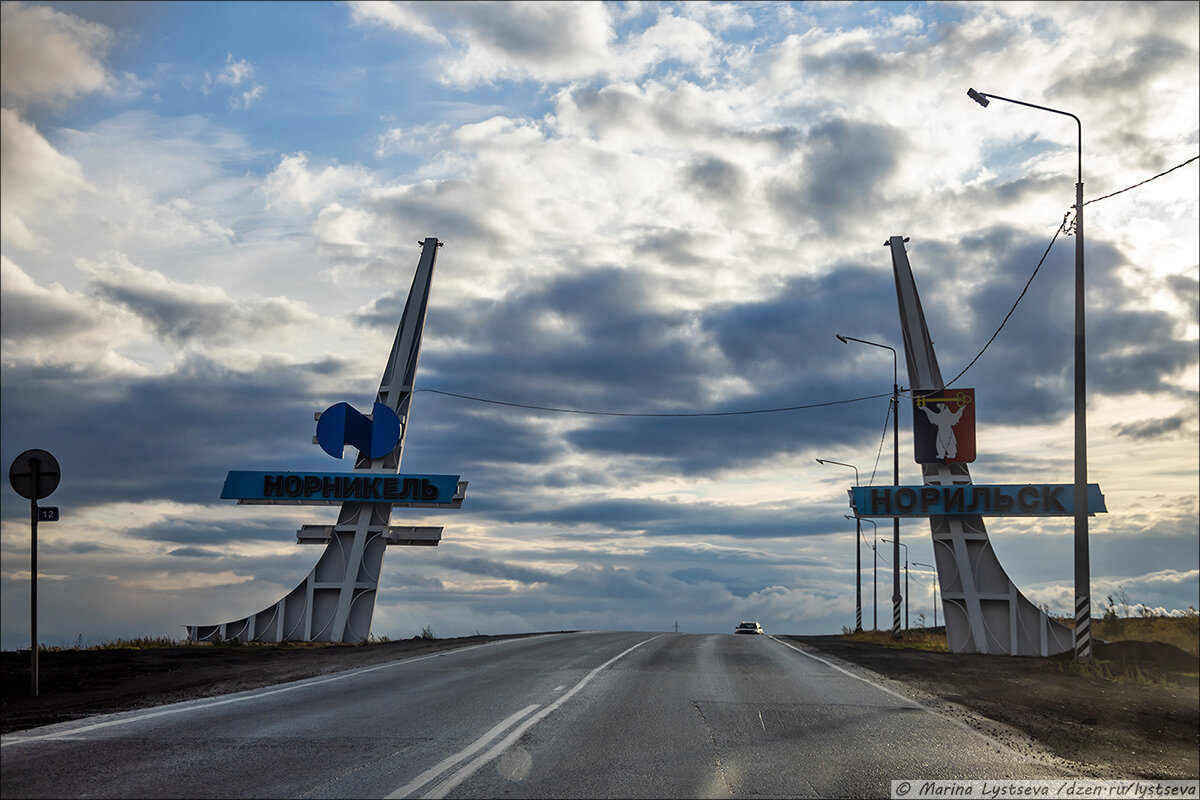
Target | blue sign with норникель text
(324,488)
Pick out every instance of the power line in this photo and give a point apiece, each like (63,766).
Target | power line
(1014,305)
(1062,227)
(637,414)
(882,439)
(1141,183)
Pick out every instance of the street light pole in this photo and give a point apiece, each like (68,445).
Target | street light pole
(935,587)
(896,597)
(1083,579)
(857,551)
(874,574)
(905,584)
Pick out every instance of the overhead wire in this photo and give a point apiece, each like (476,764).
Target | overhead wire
(882,439)
(1063,227)
(1016,302)
(1142,183)
(644,414)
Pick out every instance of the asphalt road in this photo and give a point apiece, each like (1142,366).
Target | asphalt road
(575,715)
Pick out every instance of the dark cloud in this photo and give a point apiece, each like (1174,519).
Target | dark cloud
(1131,64)
(716,178)
(194,552)
(408,581)
(171,316)
(577,340)
(449,205)
(171,436)
(1154,428)
(692,518)
(843,173)
(495,569)
(176,314)
(849,64)
(1187,289)
(196,532)
(28,315)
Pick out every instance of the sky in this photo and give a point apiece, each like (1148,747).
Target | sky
(209,220)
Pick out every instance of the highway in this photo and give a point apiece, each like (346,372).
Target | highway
(566,715)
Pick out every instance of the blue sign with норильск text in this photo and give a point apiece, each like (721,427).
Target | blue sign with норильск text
(335,487)
(1027,500)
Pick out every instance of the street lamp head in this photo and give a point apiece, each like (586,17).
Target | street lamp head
(820,461)
(977,97)
(842,339)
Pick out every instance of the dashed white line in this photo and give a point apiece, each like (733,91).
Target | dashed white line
(433,772)
(440,790)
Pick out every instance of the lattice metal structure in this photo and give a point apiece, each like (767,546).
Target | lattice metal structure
(984,610)
(336,602)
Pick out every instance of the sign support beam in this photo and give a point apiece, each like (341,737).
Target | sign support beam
(981,606)
(336,602)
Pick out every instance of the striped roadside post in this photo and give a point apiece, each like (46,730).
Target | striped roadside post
(1083,627)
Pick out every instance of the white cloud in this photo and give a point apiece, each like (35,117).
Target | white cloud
(508,41)
(399,16)
(243,101)
(293,184)
(47,56)
(235,71)
(52,327)
(342,232)
(35,180)
(671,38)
(234,74)
(555,42)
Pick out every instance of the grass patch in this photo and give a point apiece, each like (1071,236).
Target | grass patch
(166,642)
(140,643)
(930,639)
(1182,632)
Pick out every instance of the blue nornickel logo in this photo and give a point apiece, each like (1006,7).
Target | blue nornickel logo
(341,424)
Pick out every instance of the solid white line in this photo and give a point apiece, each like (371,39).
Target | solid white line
(909,701)
(444,788)
(250,694)
(435,771)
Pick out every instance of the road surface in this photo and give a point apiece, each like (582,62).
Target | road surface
(566,715)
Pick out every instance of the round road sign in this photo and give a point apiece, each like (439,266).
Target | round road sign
(34,474)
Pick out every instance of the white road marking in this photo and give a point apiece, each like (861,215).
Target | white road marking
(559,688)
(442,789)
(435,771)
(200,705)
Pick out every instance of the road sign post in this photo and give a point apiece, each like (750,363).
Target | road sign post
(34,474)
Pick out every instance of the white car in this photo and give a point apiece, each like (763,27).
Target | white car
(749,627)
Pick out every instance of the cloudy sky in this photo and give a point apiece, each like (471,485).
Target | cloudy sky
(210,218)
